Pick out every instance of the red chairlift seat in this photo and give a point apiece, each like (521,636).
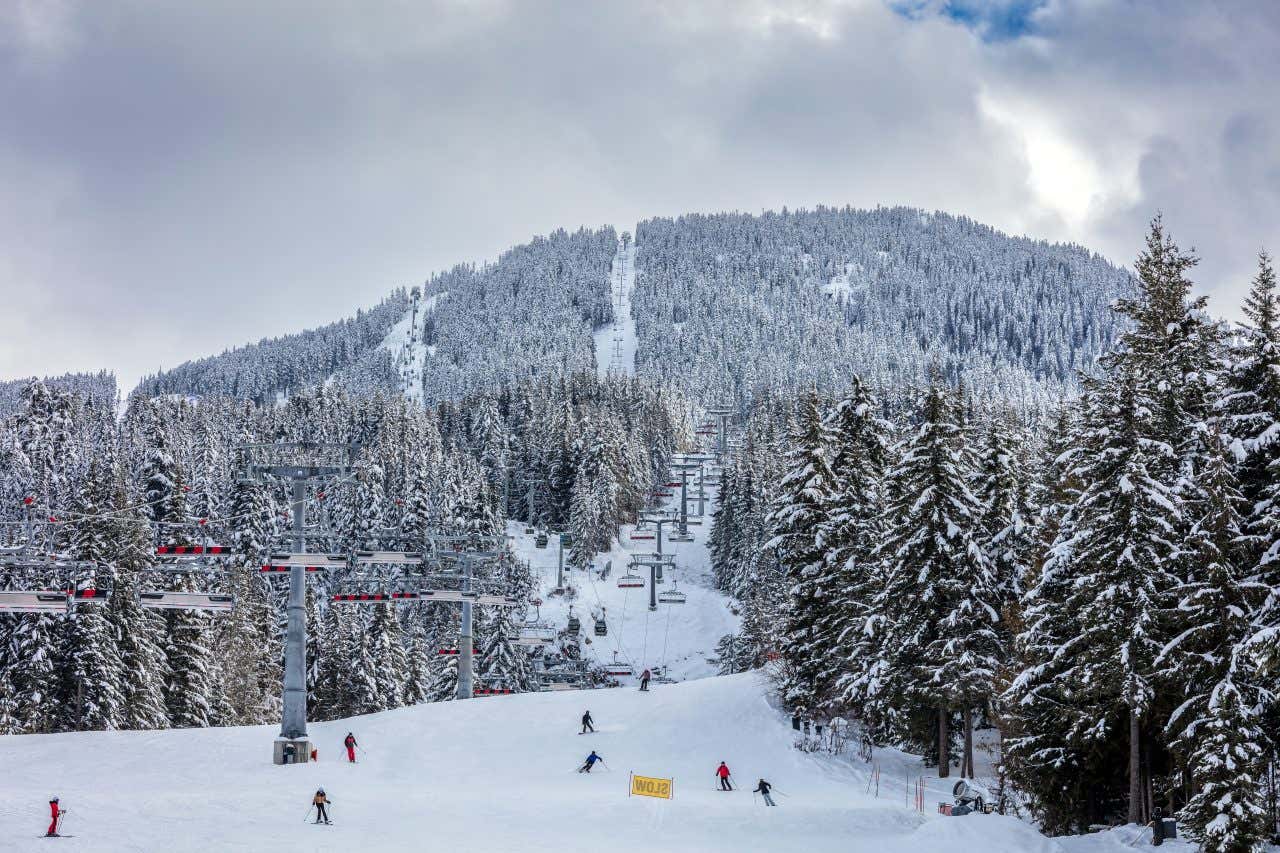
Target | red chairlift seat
(192,551)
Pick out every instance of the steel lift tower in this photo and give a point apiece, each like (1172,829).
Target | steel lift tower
(299,462)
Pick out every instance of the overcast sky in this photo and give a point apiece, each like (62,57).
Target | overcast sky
(177,178)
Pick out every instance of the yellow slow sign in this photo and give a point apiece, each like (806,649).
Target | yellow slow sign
(651,786)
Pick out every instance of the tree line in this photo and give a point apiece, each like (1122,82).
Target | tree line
(1101,584)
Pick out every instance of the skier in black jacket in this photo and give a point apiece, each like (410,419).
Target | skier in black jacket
(763,789)
(587,723)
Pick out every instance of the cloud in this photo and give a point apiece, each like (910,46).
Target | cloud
(180,178)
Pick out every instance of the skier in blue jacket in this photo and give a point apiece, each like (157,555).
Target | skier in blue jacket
(591,760)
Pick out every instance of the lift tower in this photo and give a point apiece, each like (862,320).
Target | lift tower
(299,462)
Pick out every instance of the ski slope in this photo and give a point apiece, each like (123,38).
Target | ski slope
(493,774)
(405,343)
(681,638)
(615,344)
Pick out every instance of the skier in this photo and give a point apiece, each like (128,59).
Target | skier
(591,760)
(723,772)
(644,681)
(350,744)
(763,789)
(587,723)
(289,752)
(56,813)
(319,801)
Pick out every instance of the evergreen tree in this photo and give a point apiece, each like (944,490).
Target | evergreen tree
(859,453)
(937,606)
(502,662)
(800,520)
(387,657)
(1216,726)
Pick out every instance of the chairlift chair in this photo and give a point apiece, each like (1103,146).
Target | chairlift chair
(34,601)
(574,625)
(389,558)
(602,627)
(630,581)
(159,599)
(617,668)
(536,636)
(672,596)
(540,541)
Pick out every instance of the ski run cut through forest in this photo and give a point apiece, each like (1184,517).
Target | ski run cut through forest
(938,538)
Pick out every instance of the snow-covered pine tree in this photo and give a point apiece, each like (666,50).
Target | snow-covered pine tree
(417,678)
(387,657)
(1216,727)
(91,662)
(858,442)
(1121,558)
(365,692)
(332,666)
(140,634)
(444,679)
(503,663)
(1006,514)
(939,644)
(249,642)
(800,521)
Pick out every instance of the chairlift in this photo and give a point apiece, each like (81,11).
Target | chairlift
(178,600)
(310,562)
(630,581)
(33,601)
(480,690)
(671,596)
(395,597)
(602,628)
(540,541)
(575,625)
(536,636)
(617,668)
(192,551)
(389,558)
(452,651)
(648,536)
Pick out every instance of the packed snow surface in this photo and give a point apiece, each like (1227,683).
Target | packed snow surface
(494,774)
(681,638)
(616,343)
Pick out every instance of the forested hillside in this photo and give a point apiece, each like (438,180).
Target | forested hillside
(99,387)
(347,351)
(726,306)
(573,454)
(746,305)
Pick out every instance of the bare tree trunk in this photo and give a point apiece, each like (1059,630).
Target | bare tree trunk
(944,751)
(1135,768)
(967,771)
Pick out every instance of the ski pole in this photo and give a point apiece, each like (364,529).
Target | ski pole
(308,814)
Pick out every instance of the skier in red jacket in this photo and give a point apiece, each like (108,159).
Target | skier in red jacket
(350,744)
(56,813)
(723,772)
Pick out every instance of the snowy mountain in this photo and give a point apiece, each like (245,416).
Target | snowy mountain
(744,305)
